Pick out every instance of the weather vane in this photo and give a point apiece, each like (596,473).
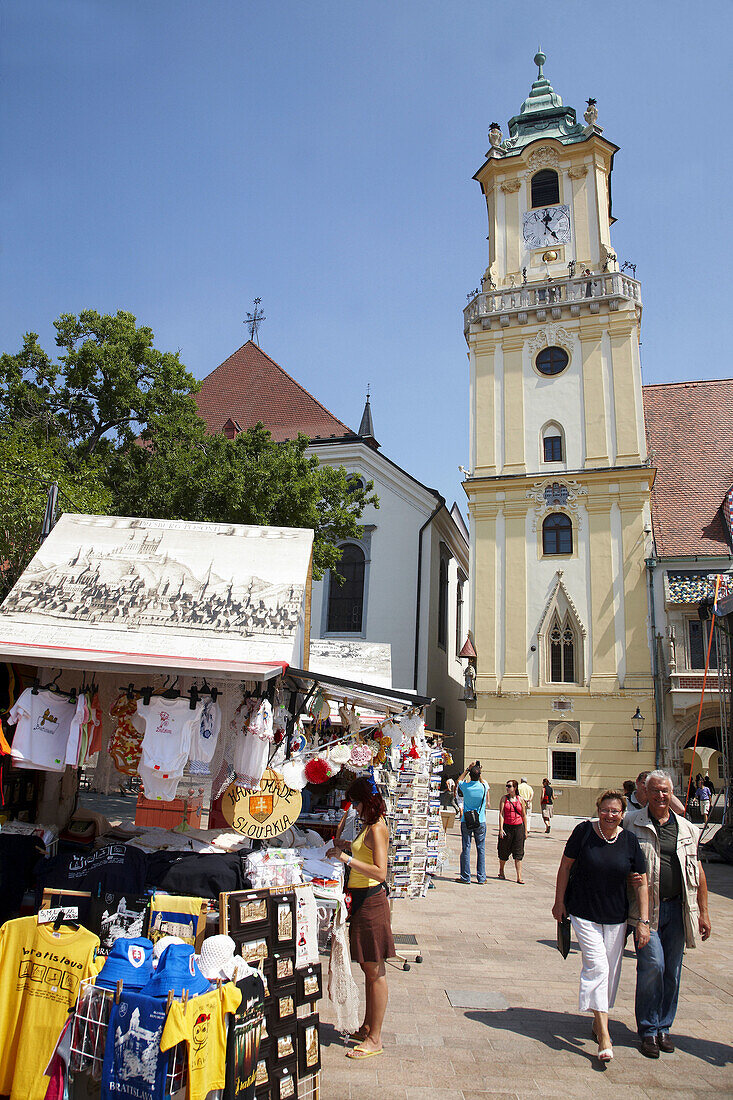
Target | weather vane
(254,320)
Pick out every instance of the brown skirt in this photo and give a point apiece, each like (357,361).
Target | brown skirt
(370,930)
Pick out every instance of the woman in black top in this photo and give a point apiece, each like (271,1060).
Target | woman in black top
(591,889)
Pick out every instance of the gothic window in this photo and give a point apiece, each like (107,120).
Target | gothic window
(557,534)
(443,603)
(562,643)
(552,448)
(545,188)
(346,601)
(552,361)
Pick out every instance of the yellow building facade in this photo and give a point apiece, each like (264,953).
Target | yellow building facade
(559,481)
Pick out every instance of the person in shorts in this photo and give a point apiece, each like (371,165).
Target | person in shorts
(546,803)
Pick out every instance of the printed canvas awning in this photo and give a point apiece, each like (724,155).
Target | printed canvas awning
(105,592)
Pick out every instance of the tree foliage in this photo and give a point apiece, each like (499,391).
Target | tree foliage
(114,423)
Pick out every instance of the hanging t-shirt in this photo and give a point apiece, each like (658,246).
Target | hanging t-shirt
(203,1027)
(134,1067)
(43,726)
(169,730)
(118,868)
(41,970)
(205,737)
(243,1040)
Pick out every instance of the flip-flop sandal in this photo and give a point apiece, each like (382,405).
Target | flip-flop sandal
(358,1053)
(356,1038)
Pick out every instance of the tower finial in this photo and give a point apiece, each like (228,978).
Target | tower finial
(539,60)
(254,320)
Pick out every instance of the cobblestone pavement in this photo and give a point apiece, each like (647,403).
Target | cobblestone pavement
(497,942)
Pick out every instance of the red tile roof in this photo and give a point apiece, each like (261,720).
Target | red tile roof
(689,428)
(249,386)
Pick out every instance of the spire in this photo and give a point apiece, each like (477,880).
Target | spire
(541,115)
(542,95)
(366,428)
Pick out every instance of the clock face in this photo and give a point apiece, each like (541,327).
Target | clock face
(547,226)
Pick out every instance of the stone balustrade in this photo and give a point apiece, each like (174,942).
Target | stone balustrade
(553,299)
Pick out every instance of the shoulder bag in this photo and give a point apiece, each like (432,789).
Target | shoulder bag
(472,818)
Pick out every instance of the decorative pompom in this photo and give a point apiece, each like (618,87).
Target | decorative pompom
(317,770)
(340,754)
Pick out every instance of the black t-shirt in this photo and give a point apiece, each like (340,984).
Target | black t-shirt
(243,1040)
(670,872)
(597,887)
(114,868)
(547,795)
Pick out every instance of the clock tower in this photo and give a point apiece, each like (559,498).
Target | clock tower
(559,482)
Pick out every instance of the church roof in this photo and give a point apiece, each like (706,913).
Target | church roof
(689,428)
(249,387)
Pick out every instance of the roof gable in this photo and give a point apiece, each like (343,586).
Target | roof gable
(249,387)
(689,428)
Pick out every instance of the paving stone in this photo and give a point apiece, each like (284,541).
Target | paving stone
(535,1043)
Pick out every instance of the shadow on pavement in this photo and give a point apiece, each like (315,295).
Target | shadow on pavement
(566,1031)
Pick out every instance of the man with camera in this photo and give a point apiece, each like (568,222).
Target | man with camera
(476,802)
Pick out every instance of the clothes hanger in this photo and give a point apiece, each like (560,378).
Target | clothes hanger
(170,692)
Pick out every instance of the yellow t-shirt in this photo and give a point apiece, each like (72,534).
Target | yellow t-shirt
(203,1027)
(41,970)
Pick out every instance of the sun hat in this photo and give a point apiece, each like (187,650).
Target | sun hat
(130,961)
(217,960)
(177,970)
(160,945)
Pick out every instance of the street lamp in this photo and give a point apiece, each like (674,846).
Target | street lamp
(637,722)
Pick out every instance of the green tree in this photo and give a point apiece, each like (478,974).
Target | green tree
(249,479)
(114,423)
(27,470)
(109,386)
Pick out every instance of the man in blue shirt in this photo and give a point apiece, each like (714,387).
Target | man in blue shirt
(476,802)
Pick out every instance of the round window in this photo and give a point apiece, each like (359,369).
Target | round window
(552,360)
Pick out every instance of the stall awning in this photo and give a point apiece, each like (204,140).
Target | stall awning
(107,592)
(363,695)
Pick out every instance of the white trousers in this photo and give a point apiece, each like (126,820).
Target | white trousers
(602,949)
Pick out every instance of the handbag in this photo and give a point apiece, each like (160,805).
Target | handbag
(472,818)
(563,936)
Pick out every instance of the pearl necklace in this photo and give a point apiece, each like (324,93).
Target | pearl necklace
(613,838)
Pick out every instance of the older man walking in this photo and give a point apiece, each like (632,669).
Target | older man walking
(678,910)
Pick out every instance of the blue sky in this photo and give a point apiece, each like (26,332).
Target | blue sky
(179,158)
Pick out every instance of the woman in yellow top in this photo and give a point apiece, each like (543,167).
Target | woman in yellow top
(370,928)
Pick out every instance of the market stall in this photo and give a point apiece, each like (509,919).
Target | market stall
(172,653)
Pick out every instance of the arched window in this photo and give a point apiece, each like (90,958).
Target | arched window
(552,443)
(552,360)
(545,188)
(443,603)
(346,601)
(557,534)
(562,652)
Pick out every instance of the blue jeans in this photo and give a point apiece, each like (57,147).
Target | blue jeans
(479,835)
(658,969)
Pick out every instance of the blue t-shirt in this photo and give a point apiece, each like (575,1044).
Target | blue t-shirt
(703,794)
(474,793)
(134,1068)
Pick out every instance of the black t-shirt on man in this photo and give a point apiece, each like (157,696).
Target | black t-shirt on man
(597,887)
(670,872)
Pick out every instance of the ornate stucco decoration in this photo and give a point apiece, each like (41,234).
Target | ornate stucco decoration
(545,157)
(551,336)
(510,186)
(551,495)
(578,172)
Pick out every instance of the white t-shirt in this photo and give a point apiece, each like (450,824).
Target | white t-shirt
(44,724)
(205,736)
(169,731)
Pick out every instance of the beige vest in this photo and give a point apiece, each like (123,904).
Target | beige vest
(688,836)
